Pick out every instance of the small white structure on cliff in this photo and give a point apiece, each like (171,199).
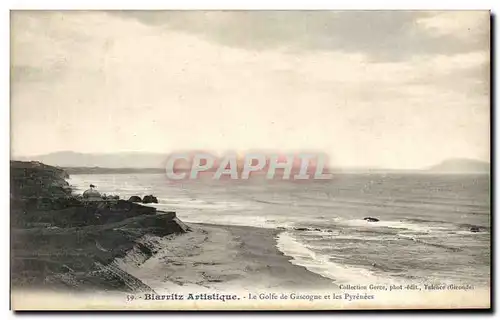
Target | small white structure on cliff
(91,194)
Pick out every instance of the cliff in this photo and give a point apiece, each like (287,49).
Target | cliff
(35,179)
(59,241)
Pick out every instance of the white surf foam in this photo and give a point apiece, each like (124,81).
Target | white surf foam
(321,264)
(234,220)
(392,224)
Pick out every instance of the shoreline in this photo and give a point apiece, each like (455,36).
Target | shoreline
(241,261)
(268,242)
(209,256)
(223,257)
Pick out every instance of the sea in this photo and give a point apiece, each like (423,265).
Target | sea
(423,234)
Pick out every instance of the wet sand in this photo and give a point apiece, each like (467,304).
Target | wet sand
(224,258)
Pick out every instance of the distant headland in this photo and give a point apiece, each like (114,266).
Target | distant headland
(461,165)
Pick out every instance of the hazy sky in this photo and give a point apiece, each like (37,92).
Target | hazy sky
(390,89)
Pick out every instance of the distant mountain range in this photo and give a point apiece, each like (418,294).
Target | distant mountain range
(132,161)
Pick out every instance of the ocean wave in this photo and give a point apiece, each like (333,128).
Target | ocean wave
(234,220)
(393,225)
(321,263)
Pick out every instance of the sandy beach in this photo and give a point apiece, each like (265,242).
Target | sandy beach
(223,258)
(234,261)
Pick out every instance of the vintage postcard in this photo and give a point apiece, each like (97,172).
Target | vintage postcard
(250,160)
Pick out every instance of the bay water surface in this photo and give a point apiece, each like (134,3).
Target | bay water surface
(423,235)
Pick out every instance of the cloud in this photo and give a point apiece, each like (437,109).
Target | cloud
(95,82)
(461,24)
(380,35)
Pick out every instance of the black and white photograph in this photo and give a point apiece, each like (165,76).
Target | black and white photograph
(250,160)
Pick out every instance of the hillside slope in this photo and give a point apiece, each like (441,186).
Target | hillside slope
(59,241)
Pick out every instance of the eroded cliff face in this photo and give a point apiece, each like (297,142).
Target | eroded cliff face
(59,241)
(35,179)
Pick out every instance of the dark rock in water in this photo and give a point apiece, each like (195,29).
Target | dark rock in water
(329,230)
(475,229)
(135,199)
(317,229)
(301,229)
(370,219)
(150,199)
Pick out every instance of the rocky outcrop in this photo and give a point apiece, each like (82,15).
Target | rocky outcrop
(147,199)
(302,229)
(476,229)
(305,229)
(150,199)
(370,219)
(135,199)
